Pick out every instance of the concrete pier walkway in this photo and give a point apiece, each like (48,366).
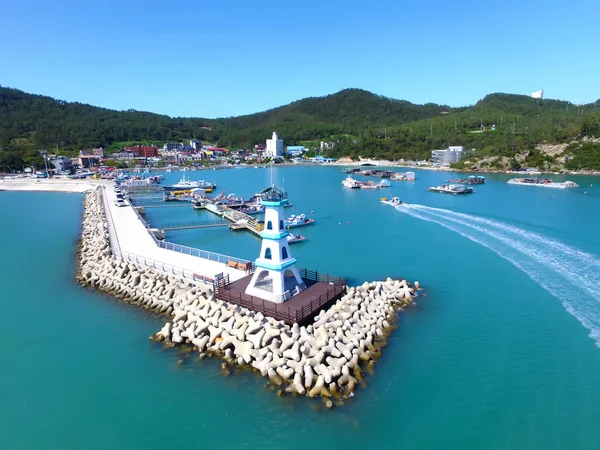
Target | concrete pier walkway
(135,241)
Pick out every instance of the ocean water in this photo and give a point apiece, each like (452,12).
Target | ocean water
(502,353)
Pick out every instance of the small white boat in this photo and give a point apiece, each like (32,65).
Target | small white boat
(297,221)
(351,183)
(395,201)
(184,183)
(293,238)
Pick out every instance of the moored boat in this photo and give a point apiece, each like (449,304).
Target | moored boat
(297,221)
(185,183)
(545,182)
(351,183)
(454,189)
(408,176)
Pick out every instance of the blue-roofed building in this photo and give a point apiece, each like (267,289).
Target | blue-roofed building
(295,150)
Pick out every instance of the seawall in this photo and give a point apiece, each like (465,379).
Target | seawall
(325,358)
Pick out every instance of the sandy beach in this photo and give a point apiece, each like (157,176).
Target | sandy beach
(47,185)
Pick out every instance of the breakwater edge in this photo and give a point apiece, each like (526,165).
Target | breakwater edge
(325,358)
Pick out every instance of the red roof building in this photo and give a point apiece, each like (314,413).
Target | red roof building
(143,151)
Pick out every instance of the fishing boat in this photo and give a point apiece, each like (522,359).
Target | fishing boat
(455,189)
(545,182)
(185,183)
(297,221)
(469,180)
(395,201)
(293,238)
(351,170)
(351,183)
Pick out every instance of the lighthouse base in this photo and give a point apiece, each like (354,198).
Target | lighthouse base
(301,308)
(274,285)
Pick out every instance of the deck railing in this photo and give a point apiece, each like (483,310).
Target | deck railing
(281,311)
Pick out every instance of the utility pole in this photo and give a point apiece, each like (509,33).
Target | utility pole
(44,155)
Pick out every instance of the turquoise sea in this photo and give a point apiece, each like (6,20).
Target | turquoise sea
(503,353)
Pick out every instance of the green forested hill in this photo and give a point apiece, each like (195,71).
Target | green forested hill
(358,122)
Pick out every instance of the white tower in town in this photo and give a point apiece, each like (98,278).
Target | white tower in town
(276,277)
(274,147)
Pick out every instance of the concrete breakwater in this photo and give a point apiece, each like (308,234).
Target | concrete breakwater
(325,358)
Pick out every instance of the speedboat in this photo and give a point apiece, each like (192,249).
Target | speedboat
(297,221)
(292,238)
(395,201)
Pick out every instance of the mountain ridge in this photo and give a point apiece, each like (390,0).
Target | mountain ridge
(355,121)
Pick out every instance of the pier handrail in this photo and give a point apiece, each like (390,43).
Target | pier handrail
(113,237)
(211,256)
(193,224)
(139,259)
(167,268)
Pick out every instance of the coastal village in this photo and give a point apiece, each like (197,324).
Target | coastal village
(197,155)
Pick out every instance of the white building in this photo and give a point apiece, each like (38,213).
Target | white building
(537,94)
(276,278)
(451,155)
(274,147)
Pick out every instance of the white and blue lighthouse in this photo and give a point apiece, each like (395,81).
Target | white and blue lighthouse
(276,277)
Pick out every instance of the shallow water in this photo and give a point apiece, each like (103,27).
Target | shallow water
(502,353)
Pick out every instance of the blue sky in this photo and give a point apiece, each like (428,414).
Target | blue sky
(216,59)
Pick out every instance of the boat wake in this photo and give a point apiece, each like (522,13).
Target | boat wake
(565,272)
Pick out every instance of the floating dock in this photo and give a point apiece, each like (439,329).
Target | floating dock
(240,220)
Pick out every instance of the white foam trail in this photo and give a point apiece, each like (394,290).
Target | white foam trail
(565,272)
(528,234)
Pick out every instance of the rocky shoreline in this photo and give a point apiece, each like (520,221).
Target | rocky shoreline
(325,358)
